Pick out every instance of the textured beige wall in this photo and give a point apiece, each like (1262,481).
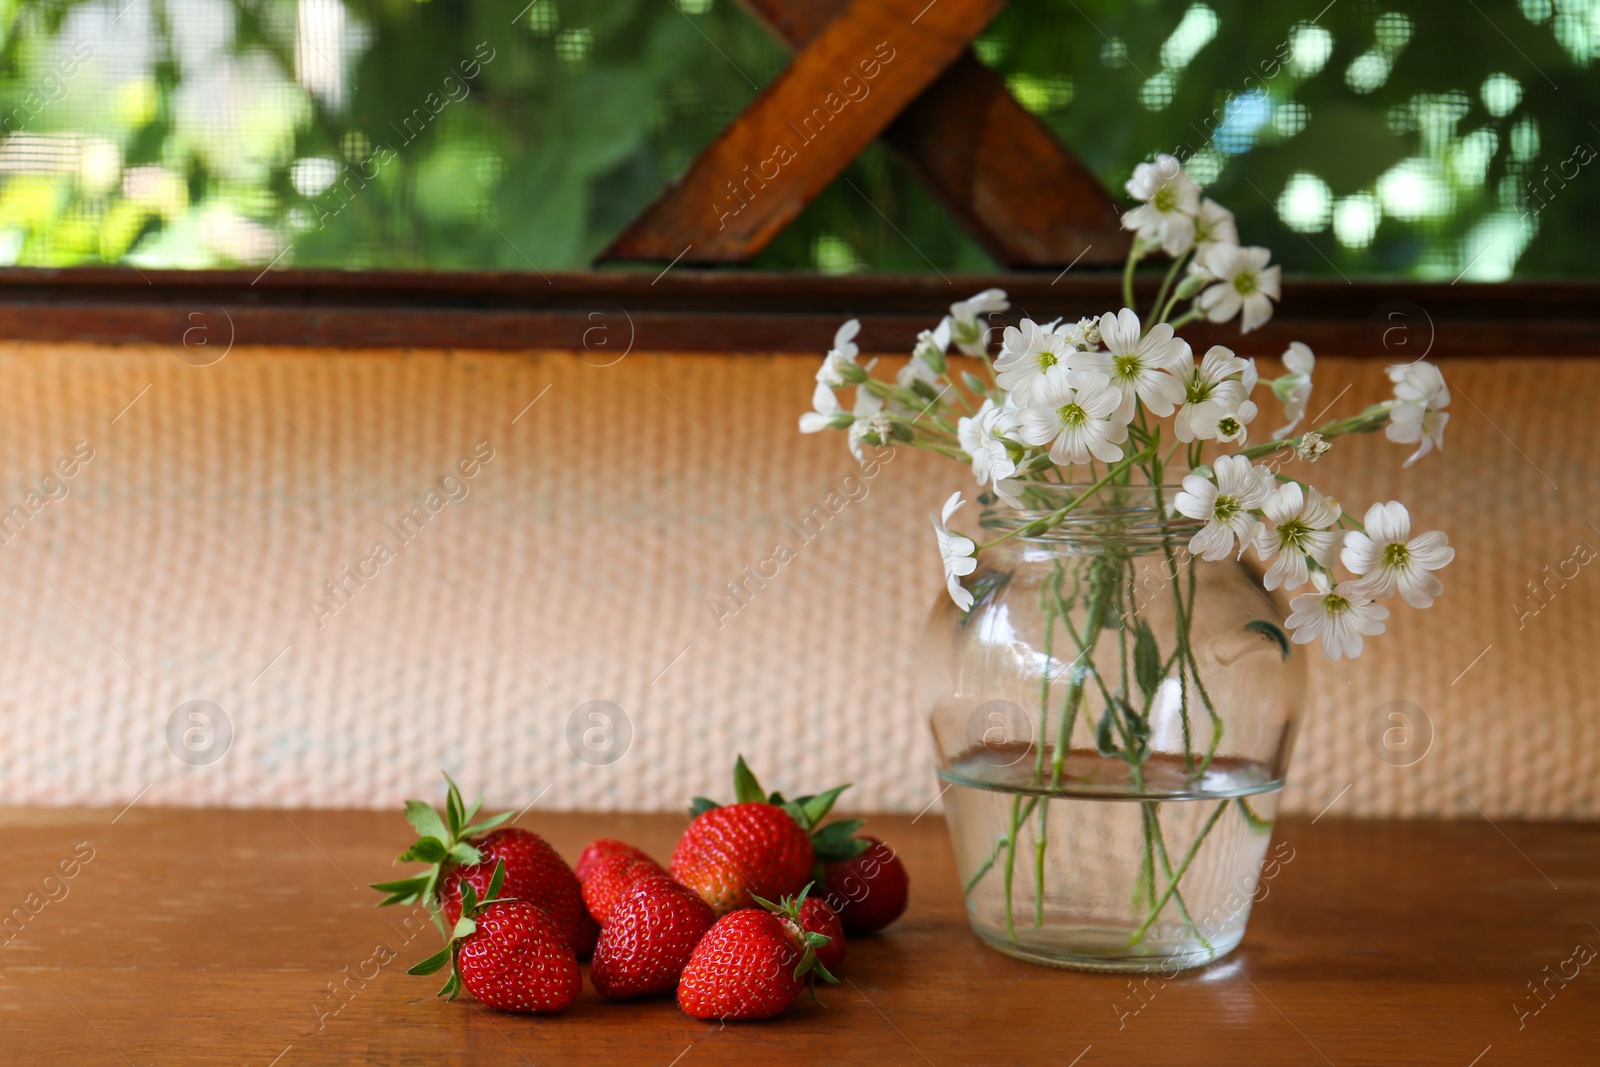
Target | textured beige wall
(183,558)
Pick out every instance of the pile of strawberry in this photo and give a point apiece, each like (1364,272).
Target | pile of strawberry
(730,926)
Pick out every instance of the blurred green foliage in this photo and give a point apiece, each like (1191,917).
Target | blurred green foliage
(1428,139)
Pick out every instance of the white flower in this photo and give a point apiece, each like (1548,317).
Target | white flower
(1213,225)
(1301,519)
(1027,353)
(1339,616)
(969,333)
(958,553)
(1085,335)
(1212,391)
(826,413)
(869,418)
(1387,558)
(1073,412)
(1139,367)
(1420,383)
(915,370)
(839,367)
(1234,426)
(1171,200)
(1311,446)
(1224,506)
(1294,388)
(1010,491)
(990,460)
(1419,419)
(933,344)
(1244,281)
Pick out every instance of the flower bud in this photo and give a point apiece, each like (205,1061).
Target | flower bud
(1192,284)
(850,373)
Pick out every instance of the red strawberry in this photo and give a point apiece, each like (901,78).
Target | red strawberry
(535,873)
(729,853)
(507,953)
(602,848)
(750,965)
(817,918)
(460,852)
(648,939)
(869,890)
(612,879)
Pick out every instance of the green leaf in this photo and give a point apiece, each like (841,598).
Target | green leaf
(1105,735)
(432,963)
(452,808)
(1146,661)
(404,891)
(1272,630)
(746,790)
(795,810)
(469,898)
(425,820)
(424,850)
(463,927)
(818,806)
(974,383)
(700,805)
(486,825)
(1138,731)
(465,854)
(452,987)
(836,841)
(497,879)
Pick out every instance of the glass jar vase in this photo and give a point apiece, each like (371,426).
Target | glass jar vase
(1113,721)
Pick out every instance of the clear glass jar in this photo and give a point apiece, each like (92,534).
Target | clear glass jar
(1113,721)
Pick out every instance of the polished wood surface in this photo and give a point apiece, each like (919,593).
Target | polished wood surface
(248,937)
(605,315)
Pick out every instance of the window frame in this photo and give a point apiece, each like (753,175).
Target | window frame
(692,310)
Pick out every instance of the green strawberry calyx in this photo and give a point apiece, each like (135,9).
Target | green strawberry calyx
(471,908)
(809,968)
(443,843)
(832,843)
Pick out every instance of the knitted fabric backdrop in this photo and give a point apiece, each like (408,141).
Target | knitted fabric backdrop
(583,559)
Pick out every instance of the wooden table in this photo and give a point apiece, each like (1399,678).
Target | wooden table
(248,937)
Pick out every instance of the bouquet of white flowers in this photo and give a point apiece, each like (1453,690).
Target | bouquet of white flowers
(1089,417)
(1061,401)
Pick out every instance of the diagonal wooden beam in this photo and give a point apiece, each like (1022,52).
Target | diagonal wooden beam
(992,164)
(854,77)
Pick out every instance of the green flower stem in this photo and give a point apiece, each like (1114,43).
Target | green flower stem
(1185,319)
(1177,894)
(994,856)
(1368,420)
(1017,819)
(1056,516)
(1177,875)
(1134,256)
(1159,310)
(1040,839)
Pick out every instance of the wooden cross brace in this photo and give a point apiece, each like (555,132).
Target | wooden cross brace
(900,69)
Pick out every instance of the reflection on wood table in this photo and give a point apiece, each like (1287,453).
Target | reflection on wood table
(249,937)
